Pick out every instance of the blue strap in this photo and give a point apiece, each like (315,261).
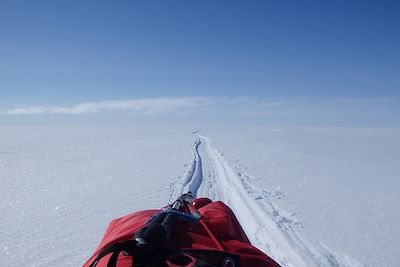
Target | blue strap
(184,215)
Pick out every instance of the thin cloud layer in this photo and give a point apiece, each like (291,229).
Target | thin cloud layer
(266,111)
(143,106)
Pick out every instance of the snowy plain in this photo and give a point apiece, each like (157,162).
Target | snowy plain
(314,196)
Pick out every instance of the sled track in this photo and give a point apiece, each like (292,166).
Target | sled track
(271,229)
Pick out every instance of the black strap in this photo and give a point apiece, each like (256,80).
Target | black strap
(212,257)
(115,249)
(204,258)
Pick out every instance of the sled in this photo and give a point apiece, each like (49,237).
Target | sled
(193,232)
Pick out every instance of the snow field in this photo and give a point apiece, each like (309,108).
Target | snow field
(305,196)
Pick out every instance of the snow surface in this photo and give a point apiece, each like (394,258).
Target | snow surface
(305,196)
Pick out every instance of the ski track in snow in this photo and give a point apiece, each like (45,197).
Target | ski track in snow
(269,228)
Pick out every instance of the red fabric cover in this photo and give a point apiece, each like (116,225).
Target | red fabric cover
(217,216)
(222,222)
(200,202)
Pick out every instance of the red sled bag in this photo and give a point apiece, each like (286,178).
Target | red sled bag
(191,233)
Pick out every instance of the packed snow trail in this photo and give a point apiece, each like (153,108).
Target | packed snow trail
(271,229)
(194,178)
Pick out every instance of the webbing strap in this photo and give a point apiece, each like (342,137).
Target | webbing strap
(204,258)
(115,249)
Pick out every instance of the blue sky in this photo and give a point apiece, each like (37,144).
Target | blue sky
(296,56)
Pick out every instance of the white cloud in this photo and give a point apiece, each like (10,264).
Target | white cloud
(143,106)
(263,113)
(308,111)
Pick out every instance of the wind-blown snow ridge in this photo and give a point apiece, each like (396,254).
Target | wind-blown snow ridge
(271,229)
